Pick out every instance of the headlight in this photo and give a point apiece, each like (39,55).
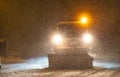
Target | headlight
(87,38)
(57,38)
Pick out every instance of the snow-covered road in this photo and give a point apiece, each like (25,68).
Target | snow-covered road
(64,73)
(33,68)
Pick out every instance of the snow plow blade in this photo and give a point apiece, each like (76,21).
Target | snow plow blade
(74,60)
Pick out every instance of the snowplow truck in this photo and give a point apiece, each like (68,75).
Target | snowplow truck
(71,46)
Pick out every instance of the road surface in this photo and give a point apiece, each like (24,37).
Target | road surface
(34,68)
(63,73)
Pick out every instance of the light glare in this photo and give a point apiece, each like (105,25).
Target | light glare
(87,38)
(84,20)
(57,38)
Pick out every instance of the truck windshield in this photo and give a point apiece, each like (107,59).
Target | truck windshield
(70,29)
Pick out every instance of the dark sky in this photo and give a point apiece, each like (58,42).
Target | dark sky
(28,24)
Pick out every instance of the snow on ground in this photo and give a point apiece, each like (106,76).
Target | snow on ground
(64,73)
(34,63)
(33,68)
(42,62)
